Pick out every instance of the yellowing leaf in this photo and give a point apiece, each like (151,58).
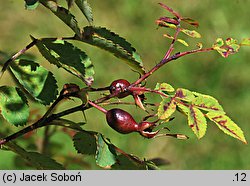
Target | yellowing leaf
(182,42)
(167,108)
(245,42)
(230,47)
(164,87)
(199,45)
(191,33)
(197,122)
(196,119)
(164,24)
(206,102)
(226,125)
(168,36)
(184,94)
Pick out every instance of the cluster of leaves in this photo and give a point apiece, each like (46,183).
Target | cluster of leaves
(196,107)
(39,83)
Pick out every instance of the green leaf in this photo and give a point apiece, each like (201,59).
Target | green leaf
(219,42)
(226,125)
(197,121)
(184,94)
(63,14)
(13,104)
(155,162)
(68,124)
(42,162)
(64,54)
(207,103)
(124,162)
(167,108)
(85,143)
(105,155)
(70,3)
(245,42)
(86,9)
(113,43)
(151,166)
(34,159)
(191,33)
(31,4)
(38,81)
(164,87)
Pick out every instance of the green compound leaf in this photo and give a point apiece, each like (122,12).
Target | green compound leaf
(38,81)
(85,143)
(86,9)
(191,33)
(184,94)
(227,125)
(207,103)
(113,43)
(105,154)
(167,108)
(65,55)
(63,14)
(31,4)
(13,105)
(165,87)
(245,42)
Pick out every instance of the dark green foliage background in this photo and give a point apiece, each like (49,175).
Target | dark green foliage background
(226,79)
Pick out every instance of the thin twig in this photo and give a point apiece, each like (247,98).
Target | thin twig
(15,56)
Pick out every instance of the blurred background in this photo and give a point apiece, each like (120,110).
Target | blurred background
(227,79)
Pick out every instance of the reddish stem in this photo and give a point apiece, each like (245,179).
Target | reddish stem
(143,89)
(98,107)
(166,60)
